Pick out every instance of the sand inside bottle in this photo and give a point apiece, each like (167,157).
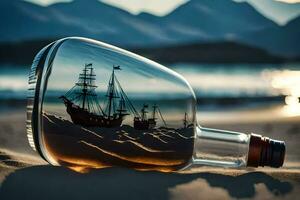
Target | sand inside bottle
(160,148)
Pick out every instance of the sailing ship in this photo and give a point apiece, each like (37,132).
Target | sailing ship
(143,123)
(84,108)
(82,103)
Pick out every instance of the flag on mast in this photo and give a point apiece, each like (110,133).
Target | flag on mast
(117,67)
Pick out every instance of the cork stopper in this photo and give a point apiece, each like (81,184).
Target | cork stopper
(264,151)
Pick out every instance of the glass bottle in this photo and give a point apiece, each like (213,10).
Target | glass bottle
(93,105)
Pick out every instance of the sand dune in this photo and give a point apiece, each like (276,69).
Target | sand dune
(125,146)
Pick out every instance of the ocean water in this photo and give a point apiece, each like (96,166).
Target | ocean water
(238,80)
(214,84)
(13,82)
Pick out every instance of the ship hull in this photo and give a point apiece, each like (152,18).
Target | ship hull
(84,118)
(152,123)
(144,124)
(140,124)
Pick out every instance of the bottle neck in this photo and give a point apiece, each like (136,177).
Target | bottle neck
(220,148)
(234,149)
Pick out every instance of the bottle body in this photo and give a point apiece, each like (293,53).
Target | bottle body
(92,105)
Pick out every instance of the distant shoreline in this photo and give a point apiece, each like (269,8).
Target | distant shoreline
(223,52)
(210,103)
(226,52)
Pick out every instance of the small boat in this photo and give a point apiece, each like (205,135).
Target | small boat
(143,122)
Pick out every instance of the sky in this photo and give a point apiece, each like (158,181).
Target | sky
(134,6)
(163,7)
(140,4)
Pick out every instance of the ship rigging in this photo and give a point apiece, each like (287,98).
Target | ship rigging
(84,108)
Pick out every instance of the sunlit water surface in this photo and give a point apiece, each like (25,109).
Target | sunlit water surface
(210,81)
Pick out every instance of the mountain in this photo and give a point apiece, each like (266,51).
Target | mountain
(26,21)
(281,12)
(220,52)
(283,40)
(21,53)
(193,22)
(214,20)
(104,22)
(23,20)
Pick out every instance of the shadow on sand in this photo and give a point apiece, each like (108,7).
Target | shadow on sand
(49,182)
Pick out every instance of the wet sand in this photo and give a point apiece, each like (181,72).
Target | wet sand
(23,175)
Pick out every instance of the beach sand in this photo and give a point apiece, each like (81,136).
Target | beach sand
(23,175)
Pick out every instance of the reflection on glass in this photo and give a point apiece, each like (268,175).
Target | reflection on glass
(93,105)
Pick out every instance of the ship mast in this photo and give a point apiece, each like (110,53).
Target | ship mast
(144,112)
(185,120)
(111,92)
(122,109)
(83,93)
(124,101)
(154,111)
(84,85)
(118,109)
